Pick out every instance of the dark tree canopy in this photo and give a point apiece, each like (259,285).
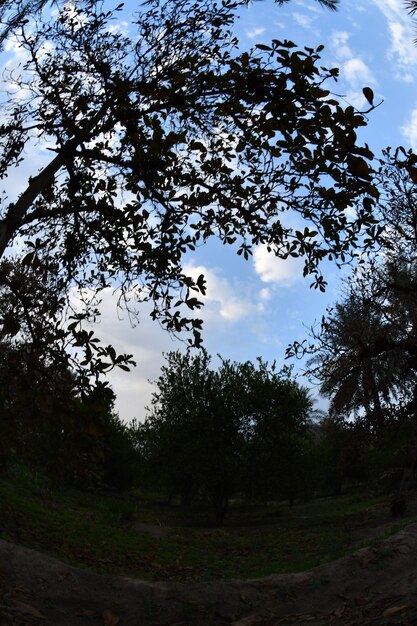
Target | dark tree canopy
(367,344)
(168,137)
(214,432)
(329,4)
(366,351)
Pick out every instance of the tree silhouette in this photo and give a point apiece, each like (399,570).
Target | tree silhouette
(170,137)
(367,348)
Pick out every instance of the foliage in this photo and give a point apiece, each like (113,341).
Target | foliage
(365,356)
(215,433)
(52,417)
(95,531)
(35,315)
(329,4)
(277,417)
(193,430)
(170,136)
(341,453)
(368,341)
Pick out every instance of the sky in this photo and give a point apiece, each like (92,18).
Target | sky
(257,307)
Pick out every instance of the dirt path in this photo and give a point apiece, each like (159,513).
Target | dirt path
(373,586)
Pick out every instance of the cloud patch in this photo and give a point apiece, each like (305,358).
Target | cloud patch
(356,71)
(409,129)
(255,32)
(402,51)
(339,42)
(271,269)
(222,298)
(306,21)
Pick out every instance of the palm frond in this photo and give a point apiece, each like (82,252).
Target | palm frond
(411,5)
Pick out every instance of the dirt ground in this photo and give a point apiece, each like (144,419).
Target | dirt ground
(375,585)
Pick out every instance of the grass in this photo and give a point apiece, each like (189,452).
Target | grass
(105,531)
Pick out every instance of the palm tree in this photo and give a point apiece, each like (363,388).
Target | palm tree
(356,376)
(411,5)
(367,349)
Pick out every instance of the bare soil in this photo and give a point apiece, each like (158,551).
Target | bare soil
(376,585)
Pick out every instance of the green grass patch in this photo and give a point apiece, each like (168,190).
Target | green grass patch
(126,534)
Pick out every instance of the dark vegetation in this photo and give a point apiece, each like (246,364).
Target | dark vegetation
(162,140)
(140,536)
(242,433)
(239,445)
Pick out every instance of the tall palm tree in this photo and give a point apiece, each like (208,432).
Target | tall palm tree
(411,5)
(351,370)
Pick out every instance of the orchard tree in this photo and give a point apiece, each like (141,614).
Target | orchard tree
(173,432)
(276,417)
(240,428)
(167,136)
(193,432)
(55,414)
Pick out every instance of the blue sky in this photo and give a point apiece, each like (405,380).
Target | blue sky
(257,307)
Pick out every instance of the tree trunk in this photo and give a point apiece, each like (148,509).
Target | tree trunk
(17,211)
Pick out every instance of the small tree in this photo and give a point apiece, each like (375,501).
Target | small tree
(277,416)
(218,432)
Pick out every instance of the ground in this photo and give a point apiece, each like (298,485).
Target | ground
(81,558)
(376,585)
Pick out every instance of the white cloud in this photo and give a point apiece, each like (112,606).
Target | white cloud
(304,20)
(122,27)
(402,51)
(339,42)
(409,129)
(252,34)
(356,72)
(265,294)
(356,99)
(224,299)
(272,269)
(146,342)
(402,47)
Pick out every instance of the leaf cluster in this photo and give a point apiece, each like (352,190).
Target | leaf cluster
(169,136)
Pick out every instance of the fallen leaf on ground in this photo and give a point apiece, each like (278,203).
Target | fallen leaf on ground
(22,607)
(251,620)
(393,610)
(110,618)
(87,613)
